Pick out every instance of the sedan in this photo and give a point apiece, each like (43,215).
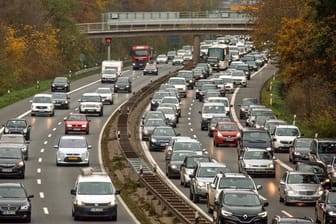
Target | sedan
(300,149)
(61,100)
(60,84)
(123,84)
(72,150)
(174,163)
(17,126)
(162,59)
(11,162)
(77,123)
(244,106)
(149,125)
(298,186)
(151,69)
(160,137)
(325,209)
(106,94)
(226,133)
(15,202)
(257,162)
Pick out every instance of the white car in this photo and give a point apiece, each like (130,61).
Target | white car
(180,85)
(73,150)
(178,60)
(283,137)
(223,100)
(42,104)
(162,59)
(239,78)
(91,103)
(106,94)
(94,196)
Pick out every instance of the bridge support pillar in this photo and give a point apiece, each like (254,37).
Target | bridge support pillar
(196,54)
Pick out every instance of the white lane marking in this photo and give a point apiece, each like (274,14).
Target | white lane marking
(45,210)
(41,195)
(191,104)
(195,136)
(190,108)
(189,113)
(45,142)
(49,135)
(54,129)
(38,170)
(42,151)
(189,123)
(286,213)
(59,123)
(39,160)
(262,197)
(191,129)
(284,165)
(193,100)
(38,181)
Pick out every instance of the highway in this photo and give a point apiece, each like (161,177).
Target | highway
(50,184)
(189,125)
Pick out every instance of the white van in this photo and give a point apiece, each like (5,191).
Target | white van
(111,70)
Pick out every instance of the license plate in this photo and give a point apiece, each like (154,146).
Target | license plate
(96,209)
(73,158)
(8,212)
(76,129)
(7,170)
(230,139)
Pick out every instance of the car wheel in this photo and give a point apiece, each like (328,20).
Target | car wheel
(101,113)
(190,195)
(281,199)
(185,184)
(28,219)
(52,114)
(87,132)
(209,209)
(195,198)
(285,201)
(114,218)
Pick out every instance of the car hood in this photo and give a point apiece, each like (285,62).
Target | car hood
(42,104)
(304,187)
(286,138)
(7,161)
(76,122)
(258,162)
(4,202)
(162,138)
(244,210)
(13,144)
(73,150)
(257,144)
(230,133)
(326,158)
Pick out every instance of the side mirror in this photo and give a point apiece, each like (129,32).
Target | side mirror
(30,196)
(259,187)
(89,146)
(240,157)
(212,185)
(30,101)
(191,175)
(265,204)
(65,119)
(56,146)
(117,192)
(178,134)
(200,112)
(73,192)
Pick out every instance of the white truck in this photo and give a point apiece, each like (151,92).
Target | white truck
(111,70)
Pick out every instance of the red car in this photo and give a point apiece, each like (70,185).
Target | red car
(226,133)
(77,123)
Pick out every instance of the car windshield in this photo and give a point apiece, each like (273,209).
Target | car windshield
(163,132)
(16,124)
(166,110)
(159,95)
(214,109)
(110,71)
(327,147)
(192,161)
(119,81)
(214,120)
(216,100)
(256,137)
(42,99)
(304,143)
(177,81)
(235,199)
(249,101)
(258,155)
(10,153)
(72,143)
(179,156)
(95,188)
(311,168)
(77,118)
(60,80)
(185,75)
(194,146)
(227,127)
(303,179)
(332,198)
(170,100)
(90,99)
(12,192)
(211,171)
(12,139)
(154,122)
(287,132)
(236,183)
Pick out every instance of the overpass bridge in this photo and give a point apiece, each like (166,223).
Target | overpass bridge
(135,24)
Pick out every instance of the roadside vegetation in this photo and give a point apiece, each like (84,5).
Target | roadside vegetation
(302,35)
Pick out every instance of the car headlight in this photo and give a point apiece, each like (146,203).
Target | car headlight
(53,85)
(20,164)
(145,131)
(297,153)
(262,214)
(201,184)
(153,140)
(246,165)
(69,125)
(271,165)
(116,86)
(84,125)
(127,86)
(25,130)
(6,130)
(219,134)
(291,192)
(173,166)
(23,149)
(25,206)
(225,213)
(269,149)
(78,202)
(332,213)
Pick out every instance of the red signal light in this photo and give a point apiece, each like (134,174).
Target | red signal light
(108,40)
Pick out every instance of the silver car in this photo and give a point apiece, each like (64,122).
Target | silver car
(73,150)
(257,162)
(297,186)
(16,140)
(188,166)
(106,94)
(203,175)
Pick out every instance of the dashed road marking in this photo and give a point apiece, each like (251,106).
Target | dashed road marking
(45,142)
(39,160)
(46,211)
(41,195)
(189,123)
(286,213)
(54,129)
(38,181)
(49,135)
(59,123)
(38,170)
(42,150)
(191,129)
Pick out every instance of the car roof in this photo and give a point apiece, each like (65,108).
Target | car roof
(188,139)
(42,95)
(287,126)
(91,94)
(250,129)
(235,175)
(255,149)
(88,175)
(210,164)
(72,137)
(11,185)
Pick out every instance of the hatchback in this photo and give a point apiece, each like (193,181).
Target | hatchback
(226,133)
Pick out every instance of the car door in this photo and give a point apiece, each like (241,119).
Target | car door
(320,207)
(282,185)
(212,189)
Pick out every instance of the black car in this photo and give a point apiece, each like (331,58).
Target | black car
(157,98)
(123,84)
(15,202)
(61,100)
(239,206)
(160,137)
(254,138)
(11,161)
(285,220)
(299,150)
(246,102)
(61,84)
(325,208)
(17,126)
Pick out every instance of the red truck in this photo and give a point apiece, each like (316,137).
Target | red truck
(141,55)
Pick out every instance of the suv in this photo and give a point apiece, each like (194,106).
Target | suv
(42,104)
(91,103)
(17,126)
(204,174)
(94,196)
(231,207)
(254,138)
(229,180)
(283,137)
(323,150)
